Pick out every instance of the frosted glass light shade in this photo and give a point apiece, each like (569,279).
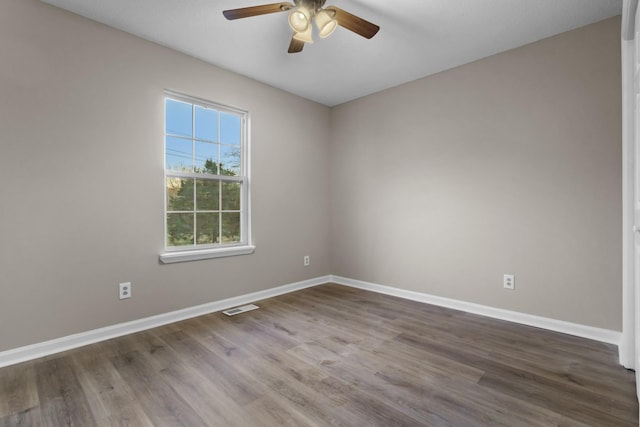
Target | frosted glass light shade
(300,19)
(326,24)
(304,36)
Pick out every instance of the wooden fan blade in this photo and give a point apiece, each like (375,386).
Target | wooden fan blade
(354,23)
(246,12)
(295,46)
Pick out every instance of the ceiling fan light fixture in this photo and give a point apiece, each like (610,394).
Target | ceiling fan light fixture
(325,23)
(300,19)
(304,36)
(301,13)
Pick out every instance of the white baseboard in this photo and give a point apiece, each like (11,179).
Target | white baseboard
(46,348)
(590,332)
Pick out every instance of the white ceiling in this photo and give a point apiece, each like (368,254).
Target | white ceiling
(417,37)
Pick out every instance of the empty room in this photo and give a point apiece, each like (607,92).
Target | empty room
(353,213)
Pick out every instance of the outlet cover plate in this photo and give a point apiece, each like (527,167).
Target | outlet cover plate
(125,290)
(509,282)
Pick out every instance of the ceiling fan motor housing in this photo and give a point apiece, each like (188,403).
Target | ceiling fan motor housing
(312,5)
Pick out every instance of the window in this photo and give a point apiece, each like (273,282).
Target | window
(206,180)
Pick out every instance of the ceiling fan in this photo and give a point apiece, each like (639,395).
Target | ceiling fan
(301,13)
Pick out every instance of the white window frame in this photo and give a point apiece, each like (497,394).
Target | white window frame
(195,252)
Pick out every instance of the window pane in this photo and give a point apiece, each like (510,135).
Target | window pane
(179,229)
(201,142)
(179,154)
(207,195)
(230,129)
(178,118)
(229,160)
(207,228)
(230,227)
(206,124)
(207,157)
(231,196)
(179,194)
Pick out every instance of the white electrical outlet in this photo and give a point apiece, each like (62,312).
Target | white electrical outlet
(509,282)
(125,290)
(306,260)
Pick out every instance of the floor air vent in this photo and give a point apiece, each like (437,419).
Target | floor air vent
(238,310)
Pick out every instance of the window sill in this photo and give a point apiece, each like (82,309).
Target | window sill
(183,256)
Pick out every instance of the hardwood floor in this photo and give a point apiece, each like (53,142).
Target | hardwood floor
(328,355)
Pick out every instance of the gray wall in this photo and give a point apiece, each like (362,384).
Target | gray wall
(506,165)
(511,164)
(81,166)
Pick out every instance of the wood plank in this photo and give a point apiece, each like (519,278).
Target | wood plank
(232,381)
(161,403)
(18,389)
(110,398)
(27,418)
(62,400)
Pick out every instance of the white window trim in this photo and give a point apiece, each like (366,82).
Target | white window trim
(198,254)
(246,247)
